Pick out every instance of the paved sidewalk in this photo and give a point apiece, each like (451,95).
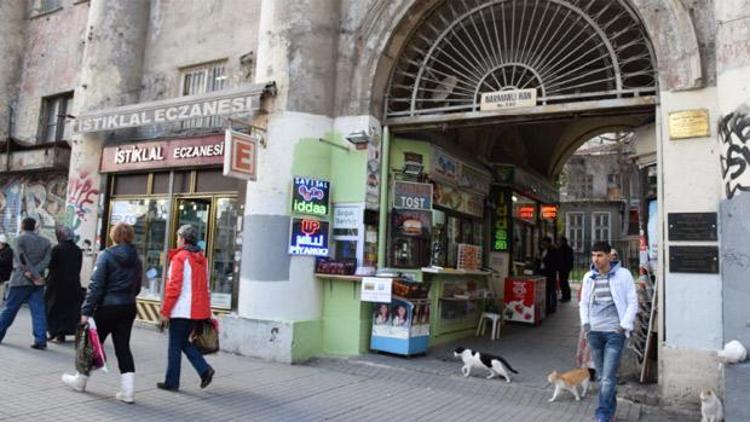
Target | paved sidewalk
(252,390)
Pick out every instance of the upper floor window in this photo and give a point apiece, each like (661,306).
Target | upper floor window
(203,79)
(601,227)
(54,110)
(40,7)
(574,230)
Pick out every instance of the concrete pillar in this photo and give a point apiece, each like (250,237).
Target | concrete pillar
(111,72)
(280,302)
(12,25)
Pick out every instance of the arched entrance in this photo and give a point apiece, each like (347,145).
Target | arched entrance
(506,89)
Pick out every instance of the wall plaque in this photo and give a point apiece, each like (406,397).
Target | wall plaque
(694,226)
(694,259)
(689,124)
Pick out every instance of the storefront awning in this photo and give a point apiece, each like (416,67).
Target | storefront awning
(242,100)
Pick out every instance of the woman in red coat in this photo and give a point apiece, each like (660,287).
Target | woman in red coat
(186,301)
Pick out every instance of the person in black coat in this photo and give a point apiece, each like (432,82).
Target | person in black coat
(63,296)
(565,254)
(549,263)
(6,264)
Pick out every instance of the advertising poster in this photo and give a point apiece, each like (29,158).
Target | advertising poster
(392,320)
(310,196)
(653,241)
(376,289)
(412,223)
(519,300)
(309,236)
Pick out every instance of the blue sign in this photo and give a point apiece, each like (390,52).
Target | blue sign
(309,237)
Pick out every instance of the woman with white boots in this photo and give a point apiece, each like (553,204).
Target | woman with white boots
(115,283)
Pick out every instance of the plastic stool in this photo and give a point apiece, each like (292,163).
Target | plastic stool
(496,324)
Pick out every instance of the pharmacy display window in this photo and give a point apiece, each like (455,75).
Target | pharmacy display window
(203,198)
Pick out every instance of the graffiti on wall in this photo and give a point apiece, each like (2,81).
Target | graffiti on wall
(734,132)
(81,199)
(41,197)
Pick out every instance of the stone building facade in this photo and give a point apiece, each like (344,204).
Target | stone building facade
(345,66)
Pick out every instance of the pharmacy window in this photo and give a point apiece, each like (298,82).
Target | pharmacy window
(203,79)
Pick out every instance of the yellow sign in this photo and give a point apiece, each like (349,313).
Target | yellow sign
(689,124)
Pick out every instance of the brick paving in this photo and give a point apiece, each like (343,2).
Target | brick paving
(362,389)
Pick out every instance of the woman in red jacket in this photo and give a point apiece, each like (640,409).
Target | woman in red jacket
(186,301)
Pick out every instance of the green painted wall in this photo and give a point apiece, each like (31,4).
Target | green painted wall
(307,341)
(347,321)
(400,145)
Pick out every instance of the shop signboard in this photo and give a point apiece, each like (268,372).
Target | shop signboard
(309,236)
(219,103)
(372,195)
(502,100)
(173,153)
(444,167)
(526,212)
(501,222)
(549,212)
(413,196)
(310,196)
(241,155)
(376,289)
(474,179)
(458,200)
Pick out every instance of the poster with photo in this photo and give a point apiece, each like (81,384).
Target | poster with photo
(392,320)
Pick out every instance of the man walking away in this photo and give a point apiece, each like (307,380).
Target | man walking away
(607,309)
(32,256)
(565,266)
(548,269)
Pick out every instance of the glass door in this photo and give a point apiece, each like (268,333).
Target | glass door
(195,211)
(223,251)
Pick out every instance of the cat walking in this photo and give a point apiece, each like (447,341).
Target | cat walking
(570,381)
(496,365)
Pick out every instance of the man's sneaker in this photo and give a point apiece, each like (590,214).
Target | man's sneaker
(39,346)
(207,377)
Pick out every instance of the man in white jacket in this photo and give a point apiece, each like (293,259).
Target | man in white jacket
(608,308)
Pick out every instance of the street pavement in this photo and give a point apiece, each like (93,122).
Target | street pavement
(373,387)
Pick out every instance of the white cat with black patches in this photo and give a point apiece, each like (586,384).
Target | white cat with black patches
(496,365)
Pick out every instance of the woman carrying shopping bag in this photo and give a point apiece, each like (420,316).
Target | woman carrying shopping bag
(115,283)
(186,305)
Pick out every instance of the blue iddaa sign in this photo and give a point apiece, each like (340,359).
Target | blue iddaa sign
(309,236)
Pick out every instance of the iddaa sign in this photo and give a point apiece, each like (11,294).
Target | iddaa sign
(310,196)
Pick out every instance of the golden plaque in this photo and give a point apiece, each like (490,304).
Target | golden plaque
(689,124)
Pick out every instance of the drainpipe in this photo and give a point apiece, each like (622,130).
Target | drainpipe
(8,138)
(385,164)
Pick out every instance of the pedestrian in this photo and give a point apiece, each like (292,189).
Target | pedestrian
(63,295)
(6,264)
(565,266)
(115,283)
(548,268)
(30,261)
(186,302)
(607,309)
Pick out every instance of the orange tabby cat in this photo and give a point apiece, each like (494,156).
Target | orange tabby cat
(570,381)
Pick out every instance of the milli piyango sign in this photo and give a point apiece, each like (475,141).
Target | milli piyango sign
(309,237)
(310,196)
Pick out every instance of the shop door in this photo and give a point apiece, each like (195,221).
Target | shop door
(195,211)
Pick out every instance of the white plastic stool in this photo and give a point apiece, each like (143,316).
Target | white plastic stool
(496,323)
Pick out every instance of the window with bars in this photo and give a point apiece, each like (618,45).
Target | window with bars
(574,230)
(203,79)
(54,110)
(601,226)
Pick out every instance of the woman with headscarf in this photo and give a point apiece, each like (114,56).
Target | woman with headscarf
(63,295)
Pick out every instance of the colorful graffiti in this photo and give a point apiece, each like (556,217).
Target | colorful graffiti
(81,199)
(41,197)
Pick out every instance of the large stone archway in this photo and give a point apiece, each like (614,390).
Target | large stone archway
(388,25)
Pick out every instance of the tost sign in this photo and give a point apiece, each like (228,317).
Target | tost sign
(310,196)
(220,103)
(172,153)
(309,237)
(410,195)
(241,155)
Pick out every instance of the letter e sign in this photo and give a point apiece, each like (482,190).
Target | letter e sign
(240,155)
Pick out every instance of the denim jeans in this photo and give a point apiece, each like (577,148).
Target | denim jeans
(179,333)
(35,298)
(606,349)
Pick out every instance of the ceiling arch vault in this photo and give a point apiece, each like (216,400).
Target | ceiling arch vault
(568,50)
